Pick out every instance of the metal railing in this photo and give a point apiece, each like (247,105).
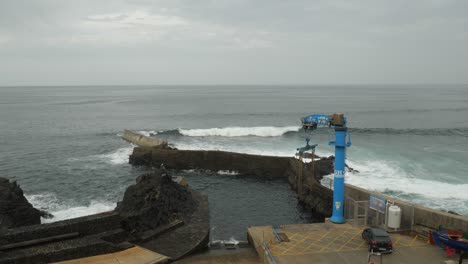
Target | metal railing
(356,212)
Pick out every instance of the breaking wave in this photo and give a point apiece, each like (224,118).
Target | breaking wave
(388,178)
(239,149)
(117,157)
(266,131)
(147,133)
(227,172)
(419,132)
(67,210)
(293,130)
(384,176)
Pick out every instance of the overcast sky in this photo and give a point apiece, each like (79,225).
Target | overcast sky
(56,42)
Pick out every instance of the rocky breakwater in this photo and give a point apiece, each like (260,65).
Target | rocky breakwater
(156,213)
(304,178)
(165,216)
(155,200)
(15,210)
(142,140)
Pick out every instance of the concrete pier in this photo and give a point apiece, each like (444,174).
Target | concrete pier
(134,255)
(329,243)
(142,140)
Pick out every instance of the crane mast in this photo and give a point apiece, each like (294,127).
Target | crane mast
(338,122)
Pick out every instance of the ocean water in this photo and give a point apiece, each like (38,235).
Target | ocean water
(62,144)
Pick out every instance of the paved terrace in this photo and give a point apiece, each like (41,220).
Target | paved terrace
(134,255)
(332,243)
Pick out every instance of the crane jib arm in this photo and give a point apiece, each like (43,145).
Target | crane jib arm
(316,120)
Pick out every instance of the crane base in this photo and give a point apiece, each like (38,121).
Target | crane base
(337,220)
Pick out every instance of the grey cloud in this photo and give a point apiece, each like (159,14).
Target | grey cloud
(108,18)
(235,41)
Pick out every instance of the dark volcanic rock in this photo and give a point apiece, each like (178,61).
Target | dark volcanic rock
(46,215)
(153,201)
(15,210)
(453,212)
(325,166)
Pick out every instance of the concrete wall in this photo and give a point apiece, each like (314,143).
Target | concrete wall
(304,180)
(411,213)
(255,165)
(142,140)
(86,225)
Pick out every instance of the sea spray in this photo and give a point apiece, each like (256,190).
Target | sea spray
(62,210)
(239,131)
(117,157)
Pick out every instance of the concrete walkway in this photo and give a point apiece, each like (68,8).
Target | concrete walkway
(134,255)
(332,243)
(240,255)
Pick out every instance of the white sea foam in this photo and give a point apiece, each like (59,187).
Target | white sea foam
(327,181)
(231,240)
(117,157)
(266,131)
(381,176)
(147,133)
(227,172)
(306,160)
(232,148)
(44,201)
(93,207)
(387,177)
(377,175)
(120,156)
(66,210)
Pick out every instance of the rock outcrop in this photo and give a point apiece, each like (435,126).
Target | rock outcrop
(15,210)
(156,213)
(155,200)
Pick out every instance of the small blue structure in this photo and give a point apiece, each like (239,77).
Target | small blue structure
(338,122)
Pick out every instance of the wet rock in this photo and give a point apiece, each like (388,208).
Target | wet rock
(154,200)
(453,212)
(326,166)
(351,169)
(15,210)
(46,215)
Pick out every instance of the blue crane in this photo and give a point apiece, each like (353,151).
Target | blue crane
(338,122)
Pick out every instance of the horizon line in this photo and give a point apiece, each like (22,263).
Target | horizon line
(227,84)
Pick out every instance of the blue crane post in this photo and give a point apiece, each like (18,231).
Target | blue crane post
(338,122)
(338,180)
